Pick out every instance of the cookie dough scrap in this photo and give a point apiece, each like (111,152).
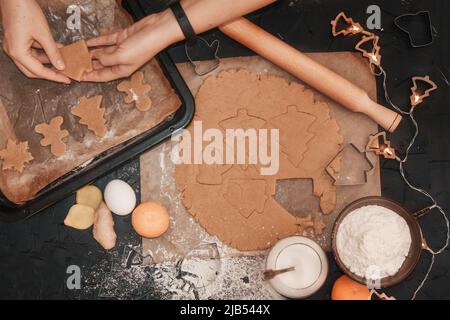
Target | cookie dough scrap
(53,136)
(77,59)
(137,91)
(15,156)
(91,114)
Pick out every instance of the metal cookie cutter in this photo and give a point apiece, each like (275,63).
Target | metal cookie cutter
(199,49)
(350,167)
(405,21)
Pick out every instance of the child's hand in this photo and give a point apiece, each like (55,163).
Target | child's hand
(120,54)
(26,34)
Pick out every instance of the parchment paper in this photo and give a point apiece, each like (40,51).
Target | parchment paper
(30,102)
(157,170)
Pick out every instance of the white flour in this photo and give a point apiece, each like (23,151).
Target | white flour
(374,240)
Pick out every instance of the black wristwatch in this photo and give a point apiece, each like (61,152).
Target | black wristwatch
(185,24)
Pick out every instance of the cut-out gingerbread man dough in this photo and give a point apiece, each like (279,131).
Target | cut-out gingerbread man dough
(137,91)
(77,59)
(247,196)
(53,136)
(15,156)
(91,114)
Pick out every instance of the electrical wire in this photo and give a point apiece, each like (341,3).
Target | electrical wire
(402,163)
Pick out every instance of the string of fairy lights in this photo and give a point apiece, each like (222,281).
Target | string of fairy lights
(378,143)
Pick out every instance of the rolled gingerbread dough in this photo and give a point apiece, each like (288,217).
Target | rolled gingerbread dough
(236,202)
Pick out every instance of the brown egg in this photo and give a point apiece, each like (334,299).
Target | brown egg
(346,289)
(150,220)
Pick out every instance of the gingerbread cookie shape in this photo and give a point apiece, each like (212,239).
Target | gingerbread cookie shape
(15,156)
(53,135)
(77,59)
(91,114)
(137,91)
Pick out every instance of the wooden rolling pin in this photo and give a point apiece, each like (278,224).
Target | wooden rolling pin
(314,74)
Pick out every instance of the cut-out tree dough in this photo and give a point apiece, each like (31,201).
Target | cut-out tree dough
(137,91)
(292,124)
(53,135)
(77,59)
(91,114)
(15,156)
(239,207)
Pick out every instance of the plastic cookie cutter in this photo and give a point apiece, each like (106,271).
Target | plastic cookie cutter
(418,27)
(419,93)
(350,167)
(381,146)
(199,49)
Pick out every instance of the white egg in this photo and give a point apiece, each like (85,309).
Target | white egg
(120,197)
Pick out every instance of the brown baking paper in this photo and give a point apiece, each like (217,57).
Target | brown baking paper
(28,103)
(158,172)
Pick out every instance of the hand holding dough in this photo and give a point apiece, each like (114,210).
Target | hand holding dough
(104,228)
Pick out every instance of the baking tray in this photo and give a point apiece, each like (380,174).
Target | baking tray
(115,157)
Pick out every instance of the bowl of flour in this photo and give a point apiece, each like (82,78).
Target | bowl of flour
(376,241)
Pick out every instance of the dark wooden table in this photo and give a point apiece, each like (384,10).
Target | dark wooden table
(35,254)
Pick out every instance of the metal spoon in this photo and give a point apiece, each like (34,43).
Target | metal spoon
(270,274)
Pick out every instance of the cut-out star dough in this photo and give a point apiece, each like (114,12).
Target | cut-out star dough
(15,156)
(137,91)
(91,114)
(77,59)
(53,135)
(305,223)
(247,196)
(319,226)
